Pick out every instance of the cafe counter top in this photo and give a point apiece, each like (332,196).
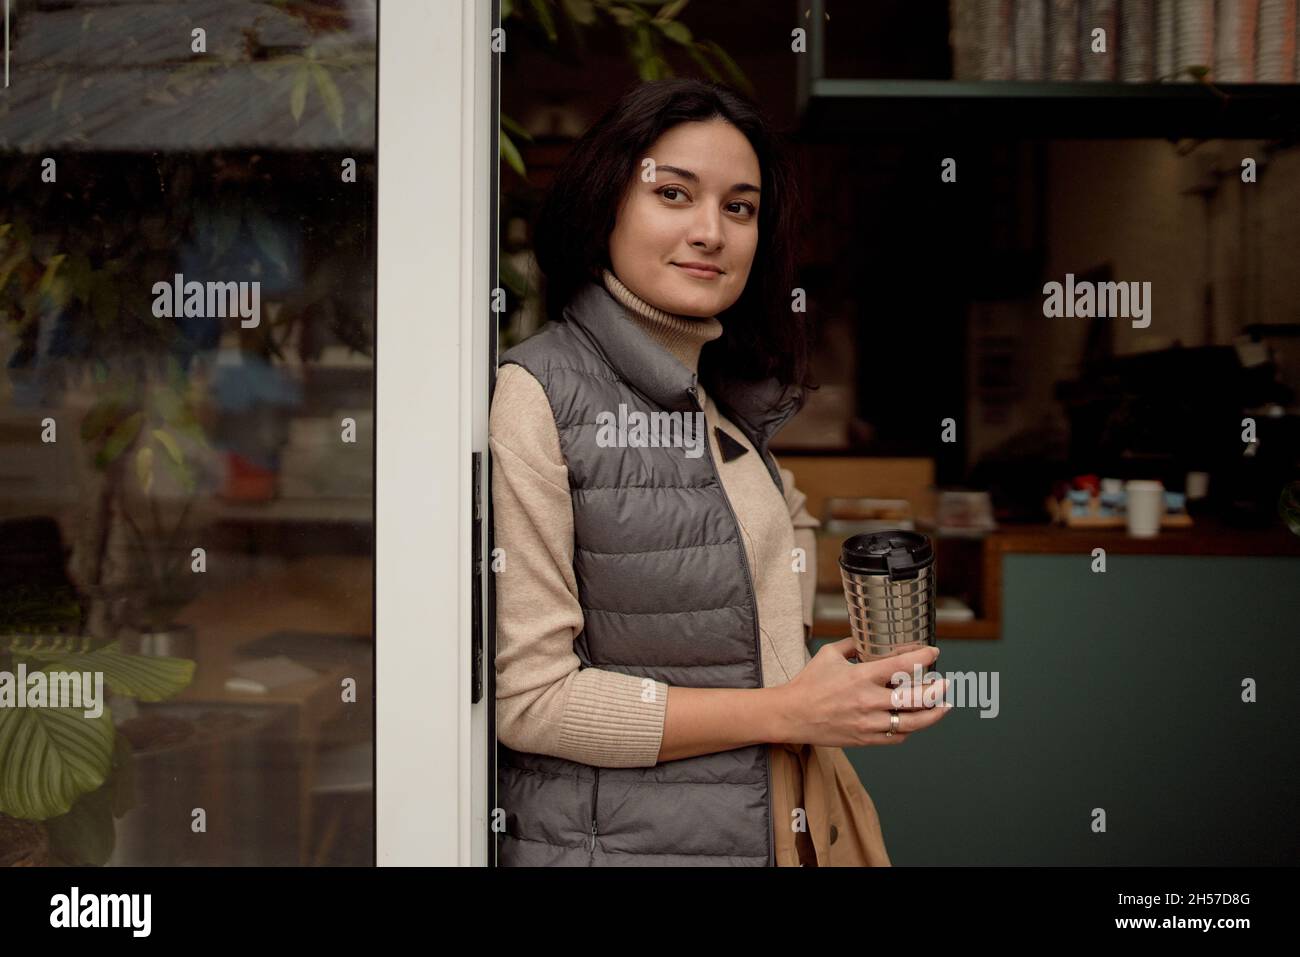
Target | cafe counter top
(1207,537)
(975,567)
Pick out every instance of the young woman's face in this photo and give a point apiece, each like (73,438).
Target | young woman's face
(701,208)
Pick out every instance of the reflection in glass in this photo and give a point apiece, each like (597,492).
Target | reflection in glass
(187,264)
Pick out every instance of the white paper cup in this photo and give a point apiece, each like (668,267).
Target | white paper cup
(1145,505)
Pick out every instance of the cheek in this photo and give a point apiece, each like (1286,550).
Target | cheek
(657,225)
(746,247)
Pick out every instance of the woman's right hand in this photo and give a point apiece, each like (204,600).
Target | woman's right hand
(834,702)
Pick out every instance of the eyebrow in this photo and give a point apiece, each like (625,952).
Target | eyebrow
(687,174)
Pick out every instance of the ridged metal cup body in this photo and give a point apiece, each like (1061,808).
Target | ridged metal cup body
(890,617)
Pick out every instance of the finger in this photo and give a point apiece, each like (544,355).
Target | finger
(847,647)
(909,697)
(909,721)
(884,670)
(896,738)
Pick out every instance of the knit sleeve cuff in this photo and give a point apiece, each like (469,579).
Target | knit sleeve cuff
(613,720)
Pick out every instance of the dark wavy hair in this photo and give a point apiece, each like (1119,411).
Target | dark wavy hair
(762,336)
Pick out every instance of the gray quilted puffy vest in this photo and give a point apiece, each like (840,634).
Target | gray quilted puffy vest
(666,593)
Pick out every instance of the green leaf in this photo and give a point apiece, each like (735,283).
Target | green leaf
(511,155)
(167,442)
(80,275)
(52,756)
(516,129)
(85,836)
(580,11)
(650,65)
(134,676)
(52,267)
(59,292)
(512,278)
(144,467)
(101,416)
(168,403)
(543,11)
(298,95)
(120,439)
(329,94)
(181,473)
(639,48)
(677,32)
(189,427)
(1288,506)
(622,16)
(670,10)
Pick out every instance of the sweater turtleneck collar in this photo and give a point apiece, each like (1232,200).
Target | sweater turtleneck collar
(682,336)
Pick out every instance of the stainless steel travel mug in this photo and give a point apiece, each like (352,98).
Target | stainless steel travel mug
(889,585)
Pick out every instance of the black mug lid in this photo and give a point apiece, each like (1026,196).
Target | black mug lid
(897,553)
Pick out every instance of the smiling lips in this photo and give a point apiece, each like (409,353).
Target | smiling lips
(699,270)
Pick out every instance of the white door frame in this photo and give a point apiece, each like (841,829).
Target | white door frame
(435,258)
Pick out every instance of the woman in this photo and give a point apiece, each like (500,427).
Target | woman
(656,702)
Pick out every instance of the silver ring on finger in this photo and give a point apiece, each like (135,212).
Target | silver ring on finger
(894,722)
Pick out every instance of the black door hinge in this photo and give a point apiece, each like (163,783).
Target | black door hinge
(476,578)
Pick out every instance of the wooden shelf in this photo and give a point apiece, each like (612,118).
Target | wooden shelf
(321,510)
(1206,537)
(833,105)
(862,108)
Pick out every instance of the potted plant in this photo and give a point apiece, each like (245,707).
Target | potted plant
(66,776)
(1288,505)
(140,426)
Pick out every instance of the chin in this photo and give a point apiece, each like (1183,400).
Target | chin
(695,302)
(694,308)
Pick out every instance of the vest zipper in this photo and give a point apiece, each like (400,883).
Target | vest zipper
(595,793)
(758,645)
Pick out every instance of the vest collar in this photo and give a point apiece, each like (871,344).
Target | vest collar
(760,407)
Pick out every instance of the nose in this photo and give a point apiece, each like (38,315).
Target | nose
(706,228)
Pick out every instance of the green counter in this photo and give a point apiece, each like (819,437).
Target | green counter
(1120,691)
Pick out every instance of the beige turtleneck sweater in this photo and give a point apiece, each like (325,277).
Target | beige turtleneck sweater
(546,703)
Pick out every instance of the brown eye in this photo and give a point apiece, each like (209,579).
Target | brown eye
(669,189)
(747,207)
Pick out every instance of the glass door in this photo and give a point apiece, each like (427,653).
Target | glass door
(192,271)
(187,283)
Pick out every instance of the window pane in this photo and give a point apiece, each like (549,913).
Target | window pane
(187,329)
